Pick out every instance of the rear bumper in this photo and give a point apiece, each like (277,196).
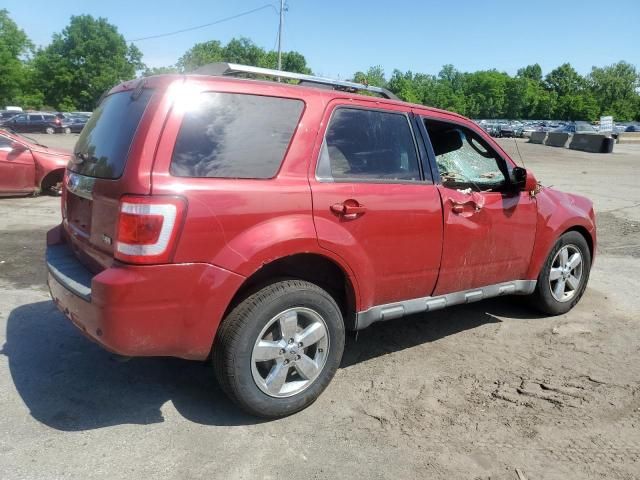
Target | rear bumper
(151,310)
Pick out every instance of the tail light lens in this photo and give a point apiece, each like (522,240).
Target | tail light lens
(148,228)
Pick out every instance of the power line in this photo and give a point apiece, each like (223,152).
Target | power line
(226,19)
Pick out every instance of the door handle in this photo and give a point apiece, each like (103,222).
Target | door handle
(348,209)
(459,207)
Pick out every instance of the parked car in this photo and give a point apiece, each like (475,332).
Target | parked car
(28,167)
(70,125)
(511,130)
(35,122)
(576,127)
(632,128)
(7,114)
(253,222)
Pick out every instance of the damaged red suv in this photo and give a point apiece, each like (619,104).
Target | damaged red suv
(253,222)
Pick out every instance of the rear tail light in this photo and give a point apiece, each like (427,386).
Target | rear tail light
(148,228)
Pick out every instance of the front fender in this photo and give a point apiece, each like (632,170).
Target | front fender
(557,213)
(46,163)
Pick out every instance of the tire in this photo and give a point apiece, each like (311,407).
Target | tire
(547,296)
(257,329)
(67,131)
(52,183)
(49,130)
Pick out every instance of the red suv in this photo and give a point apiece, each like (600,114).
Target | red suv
(254,222)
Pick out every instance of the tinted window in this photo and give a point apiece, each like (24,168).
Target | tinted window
(5,143)
(103,147)
(230,135)
(49,118)
(368,145)
(20,118)
(35,118)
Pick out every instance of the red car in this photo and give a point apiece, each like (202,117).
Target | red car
(253,222)
(27,166)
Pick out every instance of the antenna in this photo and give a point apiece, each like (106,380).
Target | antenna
(519,154)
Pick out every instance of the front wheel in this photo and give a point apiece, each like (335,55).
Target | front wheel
(564,275)
(49,130)
(278,350)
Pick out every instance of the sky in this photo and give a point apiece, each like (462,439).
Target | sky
(339,38)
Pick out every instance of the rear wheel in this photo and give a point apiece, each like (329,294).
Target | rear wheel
(50,130)
(278,349)
(67,130)
(564,275)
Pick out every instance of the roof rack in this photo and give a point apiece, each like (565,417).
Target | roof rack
(234,69)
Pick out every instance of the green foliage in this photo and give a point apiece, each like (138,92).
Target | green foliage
(239,50)
(531,72)
(15,48)
(82,62)
(89,56)
(615,89)
(562,94)
(149,71)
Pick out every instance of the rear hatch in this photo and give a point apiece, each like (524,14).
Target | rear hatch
(113,157)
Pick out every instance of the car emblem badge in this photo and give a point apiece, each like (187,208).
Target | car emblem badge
(106,239)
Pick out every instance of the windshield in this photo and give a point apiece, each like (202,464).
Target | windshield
(103,146)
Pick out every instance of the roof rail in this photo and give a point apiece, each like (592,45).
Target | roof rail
(234,69)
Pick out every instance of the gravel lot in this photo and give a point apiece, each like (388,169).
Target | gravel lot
(470,392)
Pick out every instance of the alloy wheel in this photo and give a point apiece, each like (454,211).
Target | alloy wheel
(290,352)
(566,273)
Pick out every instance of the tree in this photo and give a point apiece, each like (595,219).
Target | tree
(531,72)
(200,54)
(575,100)
(242,51)
(149,71)
(15,48)
(615,90)
(81,63)
(373,77)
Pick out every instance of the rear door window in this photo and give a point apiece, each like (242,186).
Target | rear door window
(368,146)
(231,135)
(103,147)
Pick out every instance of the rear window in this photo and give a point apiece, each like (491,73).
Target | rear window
(230,135)
(103,147)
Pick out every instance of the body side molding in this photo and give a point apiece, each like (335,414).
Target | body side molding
(390,311)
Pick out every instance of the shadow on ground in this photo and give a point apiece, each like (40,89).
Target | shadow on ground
(72,384)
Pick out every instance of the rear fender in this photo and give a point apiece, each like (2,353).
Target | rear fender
(275,239)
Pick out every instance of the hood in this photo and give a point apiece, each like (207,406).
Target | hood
(50,151)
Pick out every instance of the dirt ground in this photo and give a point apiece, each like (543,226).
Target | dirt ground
(472,392)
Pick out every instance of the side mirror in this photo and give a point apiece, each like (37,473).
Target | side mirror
(17,147)
(523,179)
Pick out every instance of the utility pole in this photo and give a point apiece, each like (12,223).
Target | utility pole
(280,35)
